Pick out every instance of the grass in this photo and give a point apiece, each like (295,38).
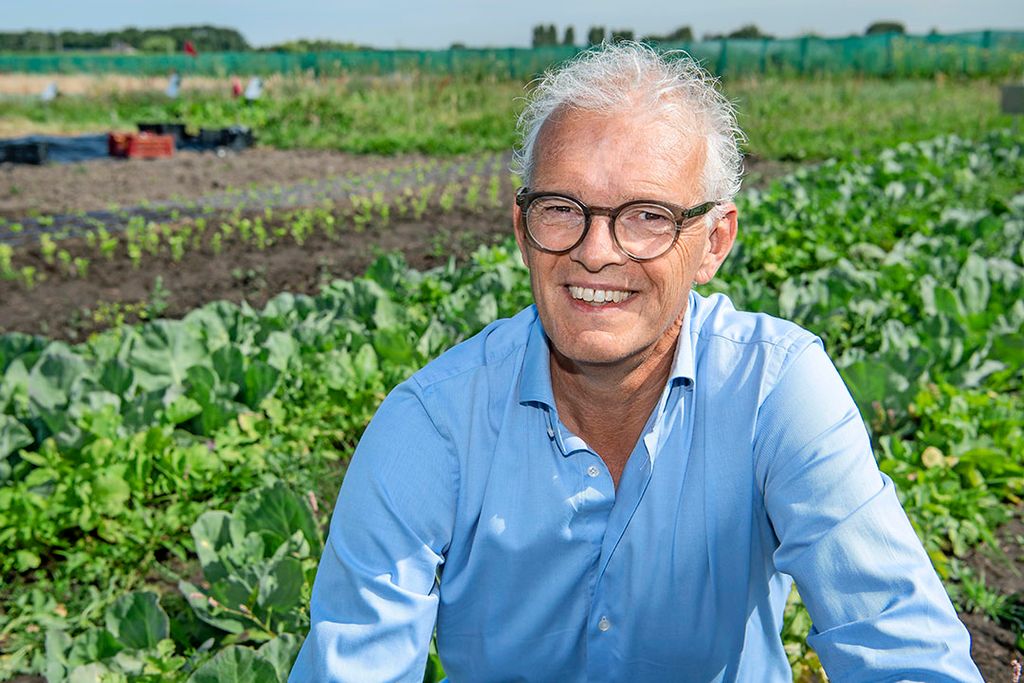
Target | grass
(785,119)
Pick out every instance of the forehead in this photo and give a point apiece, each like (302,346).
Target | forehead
(619,156)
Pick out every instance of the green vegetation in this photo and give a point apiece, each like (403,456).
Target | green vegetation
(785,119)
(133,463)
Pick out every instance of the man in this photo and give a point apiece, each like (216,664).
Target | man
(618,483)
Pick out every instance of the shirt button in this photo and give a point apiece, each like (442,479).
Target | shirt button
(604,624)
(593,470)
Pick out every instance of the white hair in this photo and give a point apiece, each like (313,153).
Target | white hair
(628,77)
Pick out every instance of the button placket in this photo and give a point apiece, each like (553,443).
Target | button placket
(593,471)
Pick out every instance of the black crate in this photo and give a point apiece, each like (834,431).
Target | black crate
(175,129)
(238,137)
(210,137)
(235,137)
(35,153)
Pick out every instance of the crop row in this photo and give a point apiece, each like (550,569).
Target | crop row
(171,479)
(407,180)
(258,219)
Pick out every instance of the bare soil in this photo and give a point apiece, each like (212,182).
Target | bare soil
(69,308)
(96,185)
(993,644)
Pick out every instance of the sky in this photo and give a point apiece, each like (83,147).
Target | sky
(488,23)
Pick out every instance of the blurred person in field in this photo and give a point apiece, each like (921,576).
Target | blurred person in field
(173,86)
(253,90)
(50,92)
(623,481)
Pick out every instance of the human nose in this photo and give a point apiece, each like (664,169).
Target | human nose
(598,248)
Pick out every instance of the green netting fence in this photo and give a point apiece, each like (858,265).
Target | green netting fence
(980,53)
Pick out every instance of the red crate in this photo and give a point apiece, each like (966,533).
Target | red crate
(140,145)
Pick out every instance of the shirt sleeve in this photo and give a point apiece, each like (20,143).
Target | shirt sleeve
(374,602)
(880,612)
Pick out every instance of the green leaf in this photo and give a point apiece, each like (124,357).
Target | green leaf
(973,283)
(217,409)
(387,315)
(52,376)
(393,346)
(110,490)
(117,377)
(276,513)
(229,364)
(222,322)
(235,664)
(137,620)
(95,672)
(483,312)
(212,532)
(182,409)
(1008,348)
(15,345)
(13,436)
(281,652)
(433,340)
(94,645)
(947,301)
(14,384)
(873,380)
(201,605)
(142,411)
(260,381)
(365,365)
(280,589)
(282,349)
(25,560)
(163,352)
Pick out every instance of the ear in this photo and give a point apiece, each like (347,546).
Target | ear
(517,227)
(720,240)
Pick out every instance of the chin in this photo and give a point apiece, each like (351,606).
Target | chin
(580,351)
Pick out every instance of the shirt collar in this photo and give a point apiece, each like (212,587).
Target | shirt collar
(535,380)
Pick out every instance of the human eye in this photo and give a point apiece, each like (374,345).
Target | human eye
(556,210)
(648,218)
(652,217)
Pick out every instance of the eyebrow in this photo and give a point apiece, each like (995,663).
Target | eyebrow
(627,200)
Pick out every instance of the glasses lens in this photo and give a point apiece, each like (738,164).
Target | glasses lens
(555,223)
(645,230)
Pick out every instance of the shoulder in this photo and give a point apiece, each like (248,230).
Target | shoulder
(497,349)
(743,342)
(716,319)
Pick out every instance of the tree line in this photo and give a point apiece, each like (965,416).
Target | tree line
(203,38)
(218,39)
(547,34)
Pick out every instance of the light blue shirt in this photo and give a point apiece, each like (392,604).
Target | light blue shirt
(469,502)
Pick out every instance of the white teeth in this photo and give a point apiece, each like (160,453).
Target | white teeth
(598,296)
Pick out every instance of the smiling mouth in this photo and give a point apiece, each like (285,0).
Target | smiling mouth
(598,296)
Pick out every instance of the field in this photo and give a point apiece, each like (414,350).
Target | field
(194,346)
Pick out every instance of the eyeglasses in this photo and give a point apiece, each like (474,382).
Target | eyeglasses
(643,229)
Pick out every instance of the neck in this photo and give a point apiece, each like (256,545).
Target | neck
(599,401)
